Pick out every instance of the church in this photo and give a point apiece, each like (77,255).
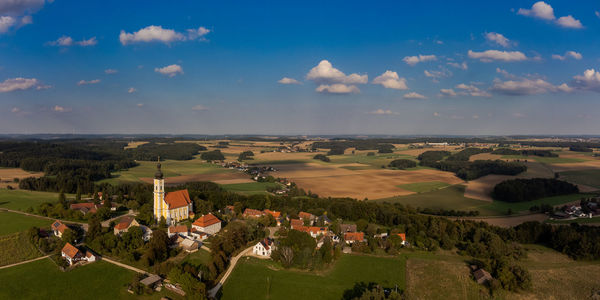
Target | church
(174,206)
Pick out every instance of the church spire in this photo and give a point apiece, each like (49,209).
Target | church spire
(158,174)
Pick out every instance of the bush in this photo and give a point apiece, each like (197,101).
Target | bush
(322,157)
(212,155)
(402,164)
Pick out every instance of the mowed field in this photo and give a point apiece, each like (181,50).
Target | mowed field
(7,176)
(16,247)
(263,279)
(13,222)
(22,199)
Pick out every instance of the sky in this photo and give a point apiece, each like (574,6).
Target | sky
(300,68)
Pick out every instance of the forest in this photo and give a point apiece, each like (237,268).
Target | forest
(468,170)
(520,190)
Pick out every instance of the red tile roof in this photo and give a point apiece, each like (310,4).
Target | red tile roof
(124,223)
(354,236)
(249,212)
(266,242)
(311,229)
(59,226)
(305,215)
(275,214)
(178,229)
(206,220)
(178,199)
(70,250)
(296,223)
(402,236)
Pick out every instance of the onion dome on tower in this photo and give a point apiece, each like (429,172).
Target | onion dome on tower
(158,174)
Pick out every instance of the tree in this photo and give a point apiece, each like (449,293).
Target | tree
(94,228)
(69,236)
(212,155)
(158,247)
(162,223)
(62,200)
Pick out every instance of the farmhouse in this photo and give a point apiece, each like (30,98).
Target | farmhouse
(353,237)
(174,206)
(124,224)
(176,230)
(264,247)
(86,207)
(58,228)
(252,213)
(73,255)
(208,224)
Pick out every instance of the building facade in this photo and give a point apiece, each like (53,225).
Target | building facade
(174,206)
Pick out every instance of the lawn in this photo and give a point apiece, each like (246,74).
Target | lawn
(23,199)
(264,279)
(15,248)
(43,280)
(13,222)
(200,257)
(250,187)
(585,177)
(421,187)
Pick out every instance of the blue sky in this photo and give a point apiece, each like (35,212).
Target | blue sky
(322,67)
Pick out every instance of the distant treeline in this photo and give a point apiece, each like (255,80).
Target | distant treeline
(338,147)
(520,190)
(527,152)
(176,151)
(468,170)
(580,148)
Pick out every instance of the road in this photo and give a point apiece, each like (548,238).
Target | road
(23,262)
(213,292)
(84,225)
(122,265)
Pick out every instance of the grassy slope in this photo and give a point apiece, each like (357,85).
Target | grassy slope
(585,177)
(200,257)
(501,207)
(259,279)
(22,199)
(545,160)
(250,187)
(13,222)
(421,187)
(15,248)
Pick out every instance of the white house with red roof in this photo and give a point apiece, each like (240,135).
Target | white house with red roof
(174,206)
(58,228)
(73,255)
(208,224)
(264,248)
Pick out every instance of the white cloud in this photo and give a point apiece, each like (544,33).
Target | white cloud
(413,95)
(19,83)
(67,41)
(84,82)
(471,90)
(200,107)
(572,54)
(413,60)
(447,92)
(60,109)
(525,86)
(542,10)
(26,20)
(505,73)
(498,39)
(462,66)
(111,71)
(6,22)
(569,22)
(590,80)
(287,80)
(391,80)
(154,33)
(597,14)
(325,73)
(491,55)
(518,115)
(140,105)
(131,90)
(18,7)
(89,42)
(170,70)
(383,112)
(476,117)
(437,75)
(337,88)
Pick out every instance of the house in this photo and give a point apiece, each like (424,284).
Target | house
(295,223)
(306,216)
(71,253)
(347,228)
(275,214)
(124,224)
(252,213)
(58,228)
(207,223)
(352,237)
(179,229)
(403,237)
(89,256)
(85,207)
(312,230)
(264,247)
(324,220)
(189,245)
(331,237)
(229,209)
(482,276)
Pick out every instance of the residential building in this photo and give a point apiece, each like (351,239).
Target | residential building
(307,217)
(71,253)
(353,237)
(347,228)
(179,229)
(252,213)
(264,247)
(295,223)
(124,224)
(207,223)
(85,207)
(58,228)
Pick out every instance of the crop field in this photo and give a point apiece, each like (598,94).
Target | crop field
(22,199)
(13,222)
(589,177)
(250,188)
(7,176)
(422,187)
(261,279)
(15,248)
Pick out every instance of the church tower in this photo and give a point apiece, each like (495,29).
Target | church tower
(160,208)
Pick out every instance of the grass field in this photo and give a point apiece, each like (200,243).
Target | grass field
(263,279)
(501,207)
(200,257)
(43,280)
(422,187)
(22,199)
(545,160)
(374,162)
(250,187)
(585,177)
(15,248)
(13,222)
(594,220)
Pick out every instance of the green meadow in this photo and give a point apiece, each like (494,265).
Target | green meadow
(13,222)
(23,199)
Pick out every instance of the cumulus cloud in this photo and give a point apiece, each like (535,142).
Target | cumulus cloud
(505,73)
(568,54)
(337,88)
(491,55)
(19,83)
(498,39)
(84,82)
(590,80)
(287,80)
(413,60)
(462,66)
(67,41)
(526,86)
(200,107)
(89,42)
(413,95)
(131,90)
(543,10)
(325,73)
(447,93)
(158,34)
(6,22)
(437,75)
(111,71)
(170,70)
(471,90)
(391,80)
(383,112)
(597,14)
(61,109)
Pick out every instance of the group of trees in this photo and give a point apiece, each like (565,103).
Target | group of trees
(298,249)
(460,165)
(520,190)
(246,155)
(171,150)
(526,152)
(322,157)
(580,148)
(402,164)
(212,155)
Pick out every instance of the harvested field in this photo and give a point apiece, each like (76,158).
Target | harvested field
(509,221)
(133,145)
(7,176)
